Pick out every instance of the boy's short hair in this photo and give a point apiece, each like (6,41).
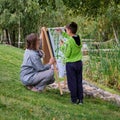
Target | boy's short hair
(73,27)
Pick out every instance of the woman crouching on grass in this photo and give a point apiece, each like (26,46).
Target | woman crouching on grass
(34,75)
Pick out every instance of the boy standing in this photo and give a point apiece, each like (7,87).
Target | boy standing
(73,56)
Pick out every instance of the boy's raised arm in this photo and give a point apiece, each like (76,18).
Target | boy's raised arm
(64,34)
(66,49)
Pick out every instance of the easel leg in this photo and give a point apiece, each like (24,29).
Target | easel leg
(59,85)
(65,80)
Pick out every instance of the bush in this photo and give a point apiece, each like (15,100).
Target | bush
(104,67)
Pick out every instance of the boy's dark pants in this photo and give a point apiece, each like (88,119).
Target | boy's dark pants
(74,78)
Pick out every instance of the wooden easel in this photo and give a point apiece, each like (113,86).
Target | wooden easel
(48,53)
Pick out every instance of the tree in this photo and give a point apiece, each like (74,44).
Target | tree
(23,17)
(104,12)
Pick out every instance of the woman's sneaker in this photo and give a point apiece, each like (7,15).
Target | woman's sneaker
(29,87)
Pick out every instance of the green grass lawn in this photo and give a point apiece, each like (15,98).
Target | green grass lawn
(17,103)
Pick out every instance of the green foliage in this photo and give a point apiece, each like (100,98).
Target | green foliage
(86,27)
(29,16)
(102,17)
(104,67)
(90,7)
(96,19)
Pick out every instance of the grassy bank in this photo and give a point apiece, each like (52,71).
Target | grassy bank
(17,103)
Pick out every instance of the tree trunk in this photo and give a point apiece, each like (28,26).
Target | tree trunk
(13,38)
(19,36)
(7,36)
(115,35)
(1,38)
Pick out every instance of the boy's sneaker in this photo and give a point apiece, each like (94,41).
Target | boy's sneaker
(80,102)
(74,103)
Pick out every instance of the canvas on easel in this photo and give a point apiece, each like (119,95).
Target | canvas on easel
(50,45)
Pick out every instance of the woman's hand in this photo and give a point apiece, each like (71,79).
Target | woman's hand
(52,61)
(61,42)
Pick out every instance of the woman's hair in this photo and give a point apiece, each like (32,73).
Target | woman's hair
(73,27)
(31,41)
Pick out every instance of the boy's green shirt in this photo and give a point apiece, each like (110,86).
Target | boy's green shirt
(70,49)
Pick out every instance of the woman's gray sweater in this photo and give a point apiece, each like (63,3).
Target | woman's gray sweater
(31,65)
